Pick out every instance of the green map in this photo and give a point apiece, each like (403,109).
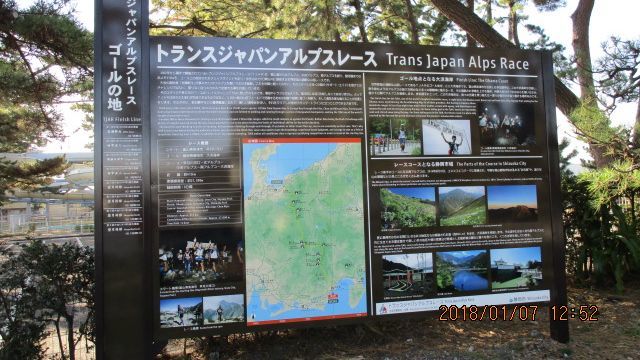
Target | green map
(304,231)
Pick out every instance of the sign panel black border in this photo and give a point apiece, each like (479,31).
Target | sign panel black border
(143,180)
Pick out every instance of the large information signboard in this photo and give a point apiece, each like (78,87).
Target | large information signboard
(301,182)
(247,184)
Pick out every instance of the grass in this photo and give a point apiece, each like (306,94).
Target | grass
(473,214)
(517,282)
(633,331)
(402,211)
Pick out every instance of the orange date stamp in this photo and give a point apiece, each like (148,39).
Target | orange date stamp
(516,312)
(488,312)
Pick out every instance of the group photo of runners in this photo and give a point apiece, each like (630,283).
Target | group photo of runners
(200,257)
(506,124)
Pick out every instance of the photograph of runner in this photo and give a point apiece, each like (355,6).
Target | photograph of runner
(446,137)
(394,137)
(454,146)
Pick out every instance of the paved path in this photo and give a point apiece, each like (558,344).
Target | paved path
(408,150)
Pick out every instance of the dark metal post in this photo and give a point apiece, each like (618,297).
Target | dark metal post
(559,329)
(123,315)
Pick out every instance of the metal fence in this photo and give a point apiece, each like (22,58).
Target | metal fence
(51,344)
(48,227)
(380,147)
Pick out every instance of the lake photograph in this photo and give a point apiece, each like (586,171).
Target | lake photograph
(458,271)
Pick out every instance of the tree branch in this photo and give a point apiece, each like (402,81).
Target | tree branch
(566,100)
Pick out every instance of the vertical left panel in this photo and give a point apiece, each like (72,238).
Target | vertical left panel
(121,165)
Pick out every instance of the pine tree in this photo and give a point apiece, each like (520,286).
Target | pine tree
(45,56)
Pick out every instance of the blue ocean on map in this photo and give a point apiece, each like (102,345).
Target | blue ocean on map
(256,311)
(288,159)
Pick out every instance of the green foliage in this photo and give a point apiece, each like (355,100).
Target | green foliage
(385,21)
(43,284)
(29,175)
(471,214)
(21,323)
(603,242)
(593,124)
(444,275)
(606,185)
(45,55)
(386,125)
(403,211)
(618,72)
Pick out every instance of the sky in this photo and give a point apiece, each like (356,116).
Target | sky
(476,190)
(415,261)
(507,196)
(516,255)
(425,193)
(212,302)
(608,19)
(463,254)
(172,304)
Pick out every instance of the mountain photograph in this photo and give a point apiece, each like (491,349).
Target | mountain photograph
(408,207)
(224,309)
(462,205)
(512,204)
(462,270)
(180,312)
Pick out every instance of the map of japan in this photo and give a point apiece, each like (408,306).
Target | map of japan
(304,229)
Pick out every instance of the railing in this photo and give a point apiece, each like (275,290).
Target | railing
(51,345)
(380,146)
(44,226)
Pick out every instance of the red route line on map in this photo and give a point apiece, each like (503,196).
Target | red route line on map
(299,140)
(314,318)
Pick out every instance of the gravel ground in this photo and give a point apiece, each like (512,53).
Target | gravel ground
(616,335)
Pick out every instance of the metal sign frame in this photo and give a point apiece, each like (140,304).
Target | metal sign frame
(124,254)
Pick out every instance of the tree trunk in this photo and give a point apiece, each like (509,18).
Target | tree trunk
(636,127)
(57,324)
(513,23)
(413,23)
(566,100)
(581,19)
(332,20)
(488,4)
(357,5)
(72,348)
(436,31)
(632,197)
(471,42)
